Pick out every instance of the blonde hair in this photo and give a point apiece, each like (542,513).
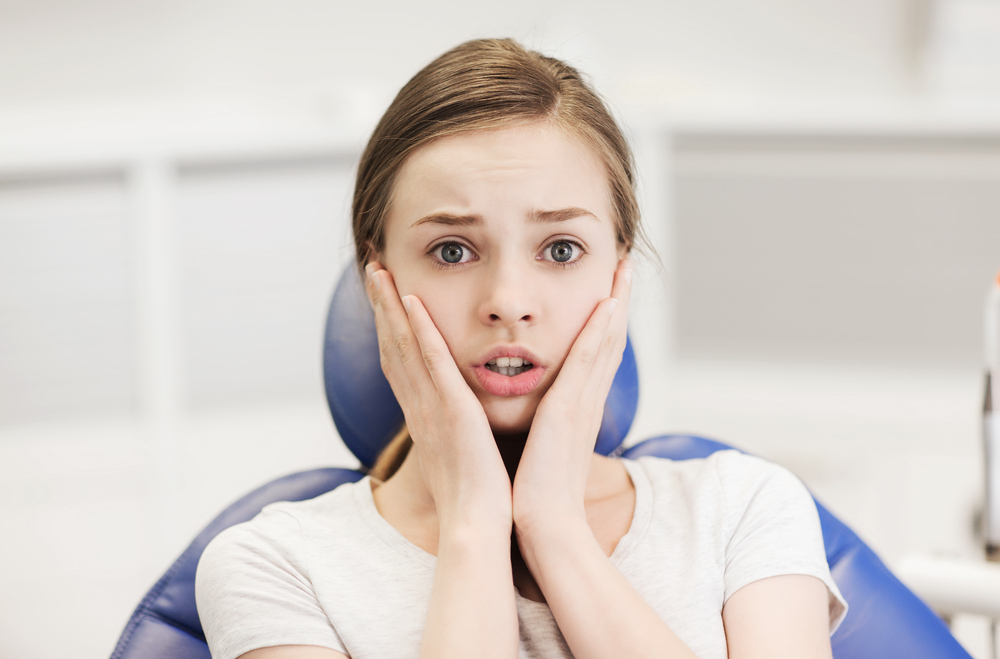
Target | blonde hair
(480,85)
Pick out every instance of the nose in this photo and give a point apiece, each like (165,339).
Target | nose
(509,297)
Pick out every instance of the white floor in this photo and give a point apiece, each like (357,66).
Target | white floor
(87,528)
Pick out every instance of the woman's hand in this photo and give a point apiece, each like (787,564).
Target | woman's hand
(598,611)
(552,474)
(471,610)
(459,459)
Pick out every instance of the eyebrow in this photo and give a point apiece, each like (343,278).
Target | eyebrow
(539,217)
(561,215)
(450,220)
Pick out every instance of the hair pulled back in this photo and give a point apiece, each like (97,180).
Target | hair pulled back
(481,85)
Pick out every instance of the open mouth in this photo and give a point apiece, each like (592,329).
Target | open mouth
(509,366)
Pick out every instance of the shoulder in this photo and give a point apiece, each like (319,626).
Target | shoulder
(276,547)
(737,484)
(729,497)
(735,472)
(730,474)
(272,532)
(277,529)
(729,459)
(755,517)
(747,480)
(253,585)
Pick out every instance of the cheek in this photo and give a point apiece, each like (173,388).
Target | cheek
(572,308)
(444,304)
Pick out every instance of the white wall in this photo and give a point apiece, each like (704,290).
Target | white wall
(59,50)
(174,182)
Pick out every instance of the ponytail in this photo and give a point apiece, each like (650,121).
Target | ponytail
(391,458)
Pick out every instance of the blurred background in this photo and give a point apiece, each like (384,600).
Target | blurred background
(821,179)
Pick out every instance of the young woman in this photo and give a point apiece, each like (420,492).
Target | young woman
(494,213)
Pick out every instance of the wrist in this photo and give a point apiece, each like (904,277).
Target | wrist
(485,515)
(471,522)
(539,513)
(551,529)
(555,543)
(475,542)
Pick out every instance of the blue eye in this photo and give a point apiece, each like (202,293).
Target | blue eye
(451,253)
(562,252)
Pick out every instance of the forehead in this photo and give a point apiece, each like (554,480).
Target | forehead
(500,174)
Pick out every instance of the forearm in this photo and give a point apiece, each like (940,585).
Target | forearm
(598,611)
(472,610)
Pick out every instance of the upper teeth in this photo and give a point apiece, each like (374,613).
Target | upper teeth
(508,361)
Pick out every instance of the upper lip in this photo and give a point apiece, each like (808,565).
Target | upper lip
(510,351)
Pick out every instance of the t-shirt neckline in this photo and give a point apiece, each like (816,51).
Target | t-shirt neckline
(389,534)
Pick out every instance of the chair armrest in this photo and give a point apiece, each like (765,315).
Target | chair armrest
(951,586)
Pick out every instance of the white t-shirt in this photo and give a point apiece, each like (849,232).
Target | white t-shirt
(332,572)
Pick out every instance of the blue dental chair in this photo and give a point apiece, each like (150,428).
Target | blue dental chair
(885,620)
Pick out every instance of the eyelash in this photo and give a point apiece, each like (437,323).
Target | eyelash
(444,265)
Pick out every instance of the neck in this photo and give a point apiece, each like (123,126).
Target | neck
(511,447)
(409,483)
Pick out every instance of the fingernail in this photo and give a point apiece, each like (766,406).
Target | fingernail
(628,276)
(614,303)
(406,303)
(377,280)
(370,271)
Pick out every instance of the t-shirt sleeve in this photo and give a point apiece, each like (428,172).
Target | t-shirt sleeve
(253,589)
(774,528)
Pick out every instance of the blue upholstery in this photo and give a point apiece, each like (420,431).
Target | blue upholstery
(885,620)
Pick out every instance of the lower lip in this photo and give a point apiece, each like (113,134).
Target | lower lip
(509,385)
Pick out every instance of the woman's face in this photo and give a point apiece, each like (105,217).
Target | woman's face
(507,236)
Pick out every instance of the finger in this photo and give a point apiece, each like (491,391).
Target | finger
(596,354)
(393,366)
(593,346)
(371,282)
(622,290)
(585,354)
(398,348)
(437,356)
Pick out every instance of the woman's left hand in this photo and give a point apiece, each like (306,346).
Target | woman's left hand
(569,416)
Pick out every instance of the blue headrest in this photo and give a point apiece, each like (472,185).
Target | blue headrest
(362,403)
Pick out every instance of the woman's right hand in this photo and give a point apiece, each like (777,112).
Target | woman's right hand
(472,610)
(461,465)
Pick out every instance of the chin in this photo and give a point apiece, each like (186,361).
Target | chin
(510,417)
